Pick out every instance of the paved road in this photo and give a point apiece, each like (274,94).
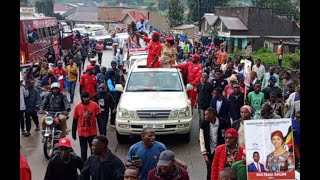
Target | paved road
(187,152)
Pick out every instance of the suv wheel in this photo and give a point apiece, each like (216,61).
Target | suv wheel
(122,139)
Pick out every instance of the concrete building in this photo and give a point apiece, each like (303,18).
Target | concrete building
(238,25)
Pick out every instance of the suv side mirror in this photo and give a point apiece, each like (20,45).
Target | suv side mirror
(189,87)
(119,87)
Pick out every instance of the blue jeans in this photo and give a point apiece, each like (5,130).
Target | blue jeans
(72,87)
(102,123)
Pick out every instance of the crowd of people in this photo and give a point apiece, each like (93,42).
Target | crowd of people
(219,94)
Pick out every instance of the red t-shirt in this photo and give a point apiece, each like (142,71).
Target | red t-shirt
(86,115)
(88,83)
(99,48)
(155,49)
(25,172)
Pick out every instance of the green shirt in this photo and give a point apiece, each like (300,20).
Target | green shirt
(241,169)
(256,100)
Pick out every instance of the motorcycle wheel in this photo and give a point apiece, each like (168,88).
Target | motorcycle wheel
(48,152)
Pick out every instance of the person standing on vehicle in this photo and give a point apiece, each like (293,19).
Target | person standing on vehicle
(102,164)
(33,103)
(56,101)
(48,80)
(65,164)
(145,154)
(85,117)
(194,75)
(99,48)
(60,73)
(204,91)
(23,94)
(72,72)
(88,82)
(154,48)
(211,135)
(105,102)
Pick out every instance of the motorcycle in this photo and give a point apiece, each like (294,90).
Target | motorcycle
(52,133)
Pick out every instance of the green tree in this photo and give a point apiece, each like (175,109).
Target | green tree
(24,3)
(175,13)
(283,7)
(163,5)
(45,7)
(206,6)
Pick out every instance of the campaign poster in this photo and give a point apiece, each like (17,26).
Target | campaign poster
(247,70)
(269,149)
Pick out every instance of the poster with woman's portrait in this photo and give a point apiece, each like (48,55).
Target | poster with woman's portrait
(247,70)
(269,149)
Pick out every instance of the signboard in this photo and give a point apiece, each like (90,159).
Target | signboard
(27,10)
(247,70)
(269,143)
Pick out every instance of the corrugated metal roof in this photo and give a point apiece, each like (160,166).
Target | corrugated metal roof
(84,17)
(87,9)
(211,18)
(233,23)
(70,12)
(136,15)
(185,26)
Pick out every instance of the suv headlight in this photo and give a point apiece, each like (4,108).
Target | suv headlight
(124,113)
(174,114)
(184,112)
(49,120)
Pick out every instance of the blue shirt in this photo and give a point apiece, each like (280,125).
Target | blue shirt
(148,156)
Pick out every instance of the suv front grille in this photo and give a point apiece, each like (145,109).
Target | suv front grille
(143,114)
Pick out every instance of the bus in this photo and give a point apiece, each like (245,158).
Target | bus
(38,35)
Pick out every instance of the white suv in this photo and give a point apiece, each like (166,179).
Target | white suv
(154,97)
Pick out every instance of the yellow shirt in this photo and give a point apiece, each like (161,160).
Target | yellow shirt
(72,72)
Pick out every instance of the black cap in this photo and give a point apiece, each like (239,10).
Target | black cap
(85,94)
(113,63)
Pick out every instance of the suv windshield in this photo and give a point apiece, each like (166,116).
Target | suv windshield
(100,33)
(154,81)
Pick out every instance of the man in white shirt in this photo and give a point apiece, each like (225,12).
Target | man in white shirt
(266,77)
(256,166)
(259,69)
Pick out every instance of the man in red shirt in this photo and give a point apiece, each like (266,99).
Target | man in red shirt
(88,82)
(226,154)
(60,73)
(84,119)
(194,69)
(25,171)
(154,48)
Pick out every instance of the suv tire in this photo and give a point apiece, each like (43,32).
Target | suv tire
(122,139)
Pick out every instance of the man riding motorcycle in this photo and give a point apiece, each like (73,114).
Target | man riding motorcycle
(56,101)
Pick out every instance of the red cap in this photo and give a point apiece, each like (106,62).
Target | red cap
(64,142)
(196,56)
(169,39)
(232,132)
(156,34)
(89,68)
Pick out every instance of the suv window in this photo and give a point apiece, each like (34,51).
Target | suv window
(154,81)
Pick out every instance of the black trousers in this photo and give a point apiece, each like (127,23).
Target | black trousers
(84,141)
(102,123)
(100,58)
(210,156)
(22,117)
(35,118)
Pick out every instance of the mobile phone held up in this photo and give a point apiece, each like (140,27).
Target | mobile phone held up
(134,157)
